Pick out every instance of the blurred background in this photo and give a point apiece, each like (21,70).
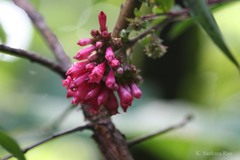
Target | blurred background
(193,77)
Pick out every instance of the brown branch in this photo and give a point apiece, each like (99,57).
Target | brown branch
(110,141)
(187,119)
(78,129)
(48,35)
(127,11)
(33,57)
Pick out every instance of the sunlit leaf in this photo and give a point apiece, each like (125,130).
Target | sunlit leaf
(201,13)
(11,146)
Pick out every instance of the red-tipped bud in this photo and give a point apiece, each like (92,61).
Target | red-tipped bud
(102,18)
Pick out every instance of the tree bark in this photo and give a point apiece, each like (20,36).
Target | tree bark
(110,141)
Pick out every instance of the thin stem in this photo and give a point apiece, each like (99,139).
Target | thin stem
(127,11)
(147,31)
(33,57)
(47,34)
(170,14)
(187,119)
(78,129)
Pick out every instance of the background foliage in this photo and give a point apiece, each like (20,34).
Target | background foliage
(194,76)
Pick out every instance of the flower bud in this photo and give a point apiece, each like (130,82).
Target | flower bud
(84,41)
(102,18)
(109,54)
(84,53)
(136,92)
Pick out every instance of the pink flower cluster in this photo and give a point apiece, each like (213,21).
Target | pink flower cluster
(98,74)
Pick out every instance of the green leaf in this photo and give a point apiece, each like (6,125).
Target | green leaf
(201,13)
(165,5)
(3,36)
(137,13)
(11,146)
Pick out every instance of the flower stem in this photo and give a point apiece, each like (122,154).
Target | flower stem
(127,11)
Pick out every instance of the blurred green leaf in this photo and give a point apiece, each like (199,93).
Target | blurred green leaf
(137,13)
(201,13)
(166,5)
(157,10)
(11,146)
(3,36)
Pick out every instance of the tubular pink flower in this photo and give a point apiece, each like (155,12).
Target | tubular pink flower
(126,86)
(125,98)
(97,73)
(77,82)
(109,54)
(84,41)
(115,63)
(93,93)
(102,98)
(102,18)
(110,80)
(84,53)
(136,92)
(83,90)
(112,105)
(76,69)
